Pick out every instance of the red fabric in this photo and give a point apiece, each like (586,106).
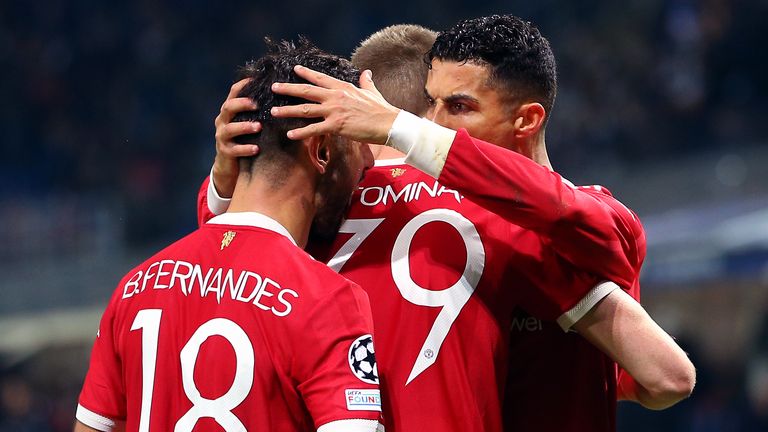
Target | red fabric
(401,216)
(530,273)
(297,328)
(592,233)
(203,212)
(557,381)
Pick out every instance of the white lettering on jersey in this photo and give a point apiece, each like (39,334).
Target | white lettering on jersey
(219,283)
(220,409)
(386,195)
(451,300)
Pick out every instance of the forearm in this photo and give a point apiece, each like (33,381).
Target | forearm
(629,390)
(660,373)
(224,176)
(79,427)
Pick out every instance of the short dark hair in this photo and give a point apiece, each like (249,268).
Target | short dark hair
(275,148)
(519,57)
(395,55)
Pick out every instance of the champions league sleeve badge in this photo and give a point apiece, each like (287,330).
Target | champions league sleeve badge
(362,360)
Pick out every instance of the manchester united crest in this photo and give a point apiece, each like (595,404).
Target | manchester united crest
(227,239)
(397,172)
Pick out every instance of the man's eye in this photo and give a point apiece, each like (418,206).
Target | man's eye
(458,107)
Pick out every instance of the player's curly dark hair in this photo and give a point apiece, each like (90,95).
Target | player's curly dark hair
(520,58)
(277,66)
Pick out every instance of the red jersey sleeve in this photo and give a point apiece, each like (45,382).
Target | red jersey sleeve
(337,374)
(591,235)
(543,294)
(204,213)
(102,400)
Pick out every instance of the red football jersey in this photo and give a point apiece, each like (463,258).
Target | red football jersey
(594,234)
(443,276)
(559,382)
(233,328)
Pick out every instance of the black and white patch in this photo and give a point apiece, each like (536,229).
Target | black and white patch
(362,360)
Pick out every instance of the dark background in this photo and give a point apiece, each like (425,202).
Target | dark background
(106,131)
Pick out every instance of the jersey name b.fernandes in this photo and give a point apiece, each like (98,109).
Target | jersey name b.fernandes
(232,328)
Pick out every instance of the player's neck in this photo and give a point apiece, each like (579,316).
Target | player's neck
(291,203)
(535,149)
(381,152)
(540,156)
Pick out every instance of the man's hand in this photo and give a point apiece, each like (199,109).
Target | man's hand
(360,114)
(225,166)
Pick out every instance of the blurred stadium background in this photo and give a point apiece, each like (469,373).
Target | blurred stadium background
(106,125)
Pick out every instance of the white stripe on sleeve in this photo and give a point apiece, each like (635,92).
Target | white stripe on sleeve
(352,425)
(568,319)
(96,421)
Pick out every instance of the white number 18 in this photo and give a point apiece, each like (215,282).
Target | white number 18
(148,321)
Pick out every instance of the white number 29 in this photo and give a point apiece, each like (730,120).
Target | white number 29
(451,299)
(148,320)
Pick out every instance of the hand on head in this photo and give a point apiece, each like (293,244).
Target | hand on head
(226,166)
(358,113)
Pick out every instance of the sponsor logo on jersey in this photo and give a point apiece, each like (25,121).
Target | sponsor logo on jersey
(526,323)
(374,195)
(363,400)
(362,360)
(227,239)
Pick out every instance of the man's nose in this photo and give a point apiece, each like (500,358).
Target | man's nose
(437,114)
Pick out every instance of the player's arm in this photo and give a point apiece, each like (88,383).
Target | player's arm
(102,404)
(341,395)
(661,373)
(216,190)
(584,228)
(585,232)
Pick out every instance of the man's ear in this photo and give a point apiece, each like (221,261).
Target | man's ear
(529,119)
(319,152)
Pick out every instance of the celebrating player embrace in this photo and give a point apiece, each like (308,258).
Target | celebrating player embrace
(443,272)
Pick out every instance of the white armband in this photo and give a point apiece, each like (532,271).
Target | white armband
(425,143)
(216,204)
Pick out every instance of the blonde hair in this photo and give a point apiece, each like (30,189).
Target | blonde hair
(395,55)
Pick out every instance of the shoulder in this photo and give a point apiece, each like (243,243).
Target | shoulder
(602,194)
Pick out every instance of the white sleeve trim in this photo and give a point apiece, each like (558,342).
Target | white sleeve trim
(571,317)
(95,421)
(216,204)
(425,143)
(352,425)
